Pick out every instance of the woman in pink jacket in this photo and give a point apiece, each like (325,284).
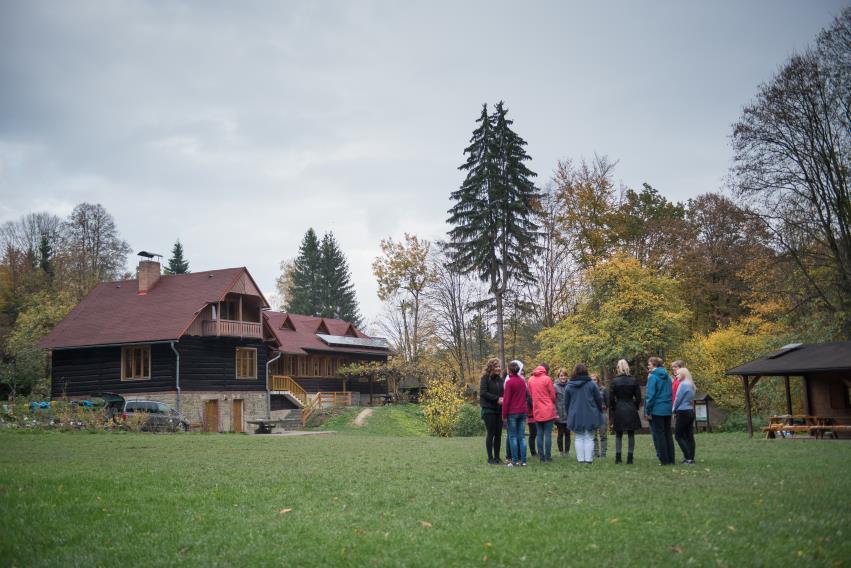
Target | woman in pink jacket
(543,409)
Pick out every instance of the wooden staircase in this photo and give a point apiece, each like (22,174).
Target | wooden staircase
(286,386)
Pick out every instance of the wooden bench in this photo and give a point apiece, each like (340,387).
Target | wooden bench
(264,425)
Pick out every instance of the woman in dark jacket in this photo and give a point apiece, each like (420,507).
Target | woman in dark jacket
(490,399)
(624,401)
(584,407)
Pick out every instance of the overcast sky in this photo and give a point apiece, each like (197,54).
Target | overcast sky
(235,126)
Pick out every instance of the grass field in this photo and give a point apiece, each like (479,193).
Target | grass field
(365,497)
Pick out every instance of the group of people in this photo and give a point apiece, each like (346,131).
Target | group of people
(581,404)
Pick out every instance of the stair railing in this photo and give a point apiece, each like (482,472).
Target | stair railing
(323,399)
(285,383)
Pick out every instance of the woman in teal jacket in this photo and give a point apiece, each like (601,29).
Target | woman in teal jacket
(658,406)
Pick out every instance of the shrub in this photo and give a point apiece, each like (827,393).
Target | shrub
(442,407)
(470,422)
(737,421)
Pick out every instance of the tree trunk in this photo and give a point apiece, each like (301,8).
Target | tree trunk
(499,328)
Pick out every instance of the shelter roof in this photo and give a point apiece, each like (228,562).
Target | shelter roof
(799,359)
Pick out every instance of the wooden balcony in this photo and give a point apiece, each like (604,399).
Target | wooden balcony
(231,328)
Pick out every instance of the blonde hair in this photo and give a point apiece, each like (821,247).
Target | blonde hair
(623,367)
(685,376)
(563,371)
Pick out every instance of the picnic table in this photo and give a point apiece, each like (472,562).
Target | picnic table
(264,425)
(790,424)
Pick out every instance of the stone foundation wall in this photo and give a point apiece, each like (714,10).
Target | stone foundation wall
(192,405)
(253,406)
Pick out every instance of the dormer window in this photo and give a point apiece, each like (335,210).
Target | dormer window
(323,328)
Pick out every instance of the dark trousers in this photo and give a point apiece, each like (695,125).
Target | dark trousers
(563,437)
(493,434)
(630,435)
(685,432)
(663,438)
(533,437)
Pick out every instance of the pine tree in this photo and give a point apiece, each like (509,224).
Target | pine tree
(493,233)
(306,297)
(338,292)
(177,264)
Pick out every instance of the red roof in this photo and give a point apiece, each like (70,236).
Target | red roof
(114,312)
(296,334)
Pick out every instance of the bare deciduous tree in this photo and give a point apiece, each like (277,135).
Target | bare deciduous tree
(792,152)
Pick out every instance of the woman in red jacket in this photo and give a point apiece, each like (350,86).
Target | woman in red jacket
(543,409)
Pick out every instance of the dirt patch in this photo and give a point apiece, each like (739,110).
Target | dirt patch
(360,420)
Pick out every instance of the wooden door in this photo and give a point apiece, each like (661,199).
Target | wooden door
(236,416)
(211,416)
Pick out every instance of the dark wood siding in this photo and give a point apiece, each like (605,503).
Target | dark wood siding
(82,372)
(209,363)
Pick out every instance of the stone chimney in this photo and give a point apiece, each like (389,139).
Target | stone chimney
(149,273)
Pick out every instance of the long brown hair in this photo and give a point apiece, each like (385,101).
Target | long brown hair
(578,370)
(491,365)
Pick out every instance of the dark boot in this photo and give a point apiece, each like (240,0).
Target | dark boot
(618,457)
(629,458)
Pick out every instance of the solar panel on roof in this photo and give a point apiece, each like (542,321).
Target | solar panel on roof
(345,341)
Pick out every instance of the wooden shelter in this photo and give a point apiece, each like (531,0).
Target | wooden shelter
(826,372)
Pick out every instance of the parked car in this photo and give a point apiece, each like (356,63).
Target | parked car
(161,417)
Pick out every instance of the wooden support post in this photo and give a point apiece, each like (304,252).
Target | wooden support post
(747,385)
(788,395)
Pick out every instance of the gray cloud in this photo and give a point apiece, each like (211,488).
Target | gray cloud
(235,126)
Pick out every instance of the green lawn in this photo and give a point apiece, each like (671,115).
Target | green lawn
(362,497)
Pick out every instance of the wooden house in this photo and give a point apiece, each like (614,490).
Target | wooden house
(194,341)
(312,349)
(202,343)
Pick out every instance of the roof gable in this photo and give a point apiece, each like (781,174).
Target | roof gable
(302,337)
(114,312)
(322,328)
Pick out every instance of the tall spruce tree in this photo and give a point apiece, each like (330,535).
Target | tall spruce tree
(177,264)
(338,292)
(493,233)
(306,297)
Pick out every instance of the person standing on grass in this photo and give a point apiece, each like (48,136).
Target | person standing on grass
(544,409)
(490,401)
(684,409)
(563,437)
(514,412)
(658,406)
(601,434)
(533,424)
(624,402)
(584,408)
(528,410)
(675,377)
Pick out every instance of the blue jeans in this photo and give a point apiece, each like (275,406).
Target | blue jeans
(517,437)
(545,439)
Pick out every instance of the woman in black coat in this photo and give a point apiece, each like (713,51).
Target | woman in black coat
(490,400)
(624,401)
